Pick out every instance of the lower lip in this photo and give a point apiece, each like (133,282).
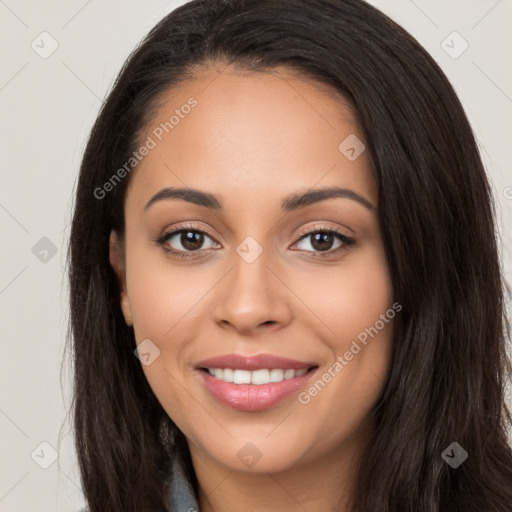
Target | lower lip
(252,397)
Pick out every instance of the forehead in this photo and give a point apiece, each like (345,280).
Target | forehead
(251,134)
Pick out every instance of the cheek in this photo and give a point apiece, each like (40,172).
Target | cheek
(354,310)
(350,298)
(163,297)
(165,304)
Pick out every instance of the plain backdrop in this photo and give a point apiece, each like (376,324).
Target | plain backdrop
(48,104)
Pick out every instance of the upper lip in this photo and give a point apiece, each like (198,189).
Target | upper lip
(258,362)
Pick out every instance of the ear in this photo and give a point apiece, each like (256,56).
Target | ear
(116,257)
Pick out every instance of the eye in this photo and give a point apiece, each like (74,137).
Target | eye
(320,241)
(185,241)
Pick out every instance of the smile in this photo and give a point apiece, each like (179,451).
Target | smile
(253,383)
(257,377)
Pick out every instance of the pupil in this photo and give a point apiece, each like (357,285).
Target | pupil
(322,241)
(191,240)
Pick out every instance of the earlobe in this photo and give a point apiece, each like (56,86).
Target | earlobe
(116,258)
(126,309)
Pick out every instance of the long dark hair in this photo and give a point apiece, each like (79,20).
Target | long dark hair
(449,366)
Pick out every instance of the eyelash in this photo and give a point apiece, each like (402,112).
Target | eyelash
(346,241)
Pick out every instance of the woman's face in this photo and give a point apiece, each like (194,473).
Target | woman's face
(262,276)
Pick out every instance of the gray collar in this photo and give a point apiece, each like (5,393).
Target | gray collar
(181,497)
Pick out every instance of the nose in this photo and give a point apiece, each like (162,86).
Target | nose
(252,298)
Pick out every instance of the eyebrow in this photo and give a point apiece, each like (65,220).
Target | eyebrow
(288,204)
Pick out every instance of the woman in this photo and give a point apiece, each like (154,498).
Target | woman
(284,279)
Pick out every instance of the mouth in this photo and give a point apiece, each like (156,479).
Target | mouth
(256,377)
(254,383)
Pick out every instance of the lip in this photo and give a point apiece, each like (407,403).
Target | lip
(252,397)
(257,362)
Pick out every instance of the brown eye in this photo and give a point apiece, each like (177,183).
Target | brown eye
(191,240)
(322,242)
(185,240)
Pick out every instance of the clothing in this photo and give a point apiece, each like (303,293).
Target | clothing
(181,497)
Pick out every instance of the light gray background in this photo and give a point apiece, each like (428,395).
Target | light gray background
(47,109)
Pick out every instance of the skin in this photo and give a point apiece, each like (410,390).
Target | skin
(252,140)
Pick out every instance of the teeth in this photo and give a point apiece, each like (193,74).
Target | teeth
(260,377)
(228,375)
(241,377)
(289,374)
(256,377)
(276,375)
